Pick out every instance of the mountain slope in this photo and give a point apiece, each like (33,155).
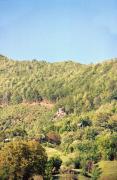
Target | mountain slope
(70,108)
(72,85)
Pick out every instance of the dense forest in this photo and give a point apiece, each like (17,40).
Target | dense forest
(65,109)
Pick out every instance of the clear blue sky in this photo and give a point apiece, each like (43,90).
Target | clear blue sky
(56,30)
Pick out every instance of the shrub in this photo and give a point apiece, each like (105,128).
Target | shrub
(53,138)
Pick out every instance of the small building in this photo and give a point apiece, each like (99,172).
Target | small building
(60,113)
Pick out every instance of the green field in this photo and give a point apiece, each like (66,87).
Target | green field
(109,170)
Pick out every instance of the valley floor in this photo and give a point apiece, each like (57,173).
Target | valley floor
(109,168)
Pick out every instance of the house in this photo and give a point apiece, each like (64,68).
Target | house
(60,113)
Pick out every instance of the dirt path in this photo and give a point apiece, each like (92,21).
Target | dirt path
(44,103)
(47,104)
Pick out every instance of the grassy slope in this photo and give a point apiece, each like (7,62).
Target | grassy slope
(55,152)
(109,170)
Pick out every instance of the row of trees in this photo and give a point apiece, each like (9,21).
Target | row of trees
(28,95)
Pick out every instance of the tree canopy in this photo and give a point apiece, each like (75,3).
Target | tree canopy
(22,159)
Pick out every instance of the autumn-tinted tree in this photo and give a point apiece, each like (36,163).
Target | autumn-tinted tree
(21,160)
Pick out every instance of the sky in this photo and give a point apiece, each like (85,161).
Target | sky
(57,30)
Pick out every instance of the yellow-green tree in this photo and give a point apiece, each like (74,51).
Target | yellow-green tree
(22,159)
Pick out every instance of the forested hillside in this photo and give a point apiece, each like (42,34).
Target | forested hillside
(75,86)
(68,107)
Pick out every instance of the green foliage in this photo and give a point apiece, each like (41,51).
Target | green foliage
(29,118)
(16,98)
(21,159)
(31,95)
(88,93)
(84,167)
(107,144)
(52,167)
(48,170)
(76,87)
(85,122)
(96,172)
(56,162)
(77,162)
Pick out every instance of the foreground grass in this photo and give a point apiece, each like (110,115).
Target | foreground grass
(109,170)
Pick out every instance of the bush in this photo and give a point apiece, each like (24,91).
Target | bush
(107,145)
(77,163)
(56,162)
(53,138)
